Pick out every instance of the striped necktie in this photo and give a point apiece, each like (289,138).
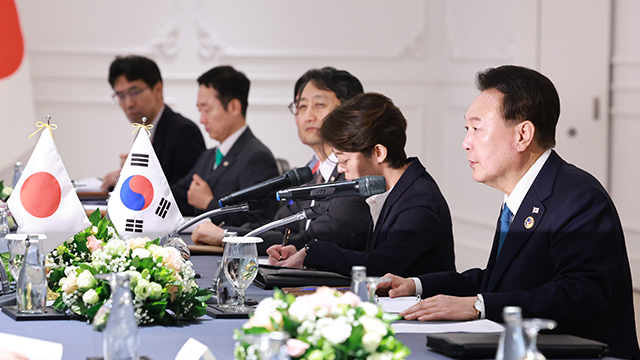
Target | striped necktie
(219,157)
(505,221)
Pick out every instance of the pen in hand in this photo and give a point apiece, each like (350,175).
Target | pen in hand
(285,239)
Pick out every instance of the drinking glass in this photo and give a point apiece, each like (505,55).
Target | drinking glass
(531,329)
(16,249)
(269,346)
(240,263)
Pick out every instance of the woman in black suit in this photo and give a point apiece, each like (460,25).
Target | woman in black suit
(410,229)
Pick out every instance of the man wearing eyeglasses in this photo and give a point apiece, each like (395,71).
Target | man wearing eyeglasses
(177,141)
(316,94)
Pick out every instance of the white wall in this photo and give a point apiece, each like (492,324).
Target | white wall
(423,54)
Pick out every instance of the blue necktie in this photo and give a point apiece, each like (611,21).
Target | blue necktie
(505,221)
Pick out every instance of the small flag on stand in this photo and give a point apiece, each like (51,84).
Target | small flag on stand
(44,201)
(141,203)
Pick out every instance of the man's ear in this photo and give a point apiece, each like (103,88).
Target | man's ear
(526,132)
(379,153)
(234,107)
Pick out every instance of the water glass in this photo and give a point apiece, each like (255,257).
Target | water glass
(240,264)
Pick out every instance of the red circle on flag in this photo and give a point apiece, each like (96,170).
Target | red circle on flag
(40,194)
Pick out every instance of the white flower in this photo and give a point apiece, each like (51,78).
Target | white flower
(141,253)
(86,280)
(371,341)
(115,247)
(6,191)
(94,229)
(369,308)
(387,355)
(90,297)
(336,331)
(373,325)
(302,310)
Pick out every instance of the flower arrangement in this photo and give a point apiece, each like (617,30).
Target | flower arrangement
(5,192)
(162,283)
(324,325)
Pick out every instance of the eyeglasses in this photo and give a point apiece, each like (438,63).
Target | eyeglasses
(293,107)
(300,105)
(132,93)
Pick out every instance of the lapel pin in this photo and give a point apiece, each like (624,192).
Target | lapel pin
(535,210)
(528,222)
(333,178)
(226,163)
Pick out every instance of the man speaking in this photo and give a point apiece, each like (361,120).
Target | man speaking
(559,250)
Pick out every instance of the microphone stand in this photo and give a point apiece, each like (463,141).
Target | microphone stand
(174,240)
(308,213)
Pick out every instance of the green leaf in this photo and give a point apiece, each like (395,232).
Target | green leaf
(86,266)
(255,330)
(94,218)
(147,263)
(91,312)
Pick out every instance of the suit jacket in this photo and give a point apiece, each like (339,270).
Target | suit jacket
(344,216)
(413,234)
(247,163)
(178,143)
(571,265)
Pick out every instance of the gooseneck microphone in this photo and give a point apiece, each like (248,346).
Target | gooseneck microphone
(291,178)
(364,186)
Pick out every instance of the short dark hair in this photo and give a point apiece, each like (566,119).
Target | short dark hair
(229,83)
(528,95)
(361,123)
(135,67)
(340,82)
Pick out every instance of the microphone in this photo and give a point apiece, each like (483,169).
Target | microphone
(291,178)
(364,186)
(308,213)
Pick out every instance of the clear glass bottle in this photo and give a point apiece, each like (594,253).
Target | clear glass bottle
(511,345)
(4,230)
(32,281)
(121,338)
(359,282)
(17,172)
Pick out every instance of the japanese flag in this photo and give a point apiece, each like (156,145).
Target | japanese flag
(44,201)
(141,203)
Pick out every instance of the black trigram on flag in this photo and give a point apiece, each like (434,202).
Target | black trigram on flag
(140,160)
(132,225)
(163,207)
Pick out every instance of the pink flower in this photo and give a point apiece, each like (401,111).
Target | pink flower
(93,244)
(296,348)
(350,299)
(172,259)
(70,283)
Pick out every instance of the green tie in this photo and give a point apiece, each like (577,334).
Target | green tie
(219,157)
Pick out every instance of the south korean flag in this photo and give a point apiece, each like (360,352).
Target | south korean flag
(142,203)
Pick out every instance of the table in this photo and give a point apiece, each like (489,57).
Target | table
(159,342)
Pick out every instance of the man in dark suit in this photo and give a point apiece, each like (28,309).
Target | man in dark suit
(239,161)
(176,140)
(316,94)
(559,250)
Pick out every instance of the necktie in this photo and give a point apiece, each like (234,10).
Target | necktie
(505,221)
(219,157)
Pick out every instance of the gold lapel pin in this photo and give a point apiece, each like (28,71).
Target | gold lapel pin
(528,222)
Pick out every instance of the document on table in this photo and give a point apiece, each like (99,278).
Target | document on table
(34,349)
(395,305)
(482,326)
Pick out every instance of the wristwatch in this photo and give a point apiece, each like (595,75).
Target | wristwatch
(479,305)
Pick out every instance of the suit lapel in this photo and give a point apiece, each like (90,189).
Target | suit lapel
(161,131)
(527,220)
(229,159)
(409,177)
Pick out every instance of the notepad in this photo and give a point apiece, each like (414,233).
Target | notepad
(396,305)
(482,326)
